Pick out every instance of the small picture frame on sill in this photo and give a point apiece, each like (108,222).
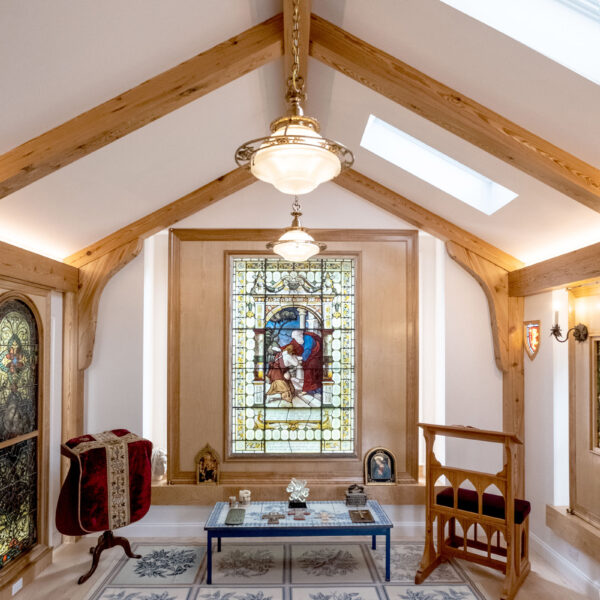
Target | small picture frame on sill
(207,466)
(380,467)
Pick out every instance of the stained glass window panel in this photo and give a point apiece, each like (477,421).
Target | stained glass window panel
(18,370)
(293,356)
(18,499)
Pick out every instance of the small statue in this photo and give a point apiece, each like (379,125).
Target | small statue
(159,464)
(298,493)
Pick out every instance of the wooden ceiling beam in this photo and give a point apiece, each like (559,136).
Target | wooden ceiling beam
(166,216)
(565,270)
(140,105)
(423,219)
(304,7)
(21,265)
(455,112)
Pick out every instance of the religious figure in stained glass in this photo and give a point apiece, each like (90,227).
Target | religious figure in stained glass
(18,416)
(292,375)
(296,372)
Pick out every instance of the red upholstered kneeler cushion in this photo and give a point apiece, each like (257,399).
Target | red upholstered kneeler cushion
(108,484)
(492,504)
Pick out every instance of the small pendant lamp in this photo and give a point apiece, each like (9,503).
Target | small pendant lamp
(296,244)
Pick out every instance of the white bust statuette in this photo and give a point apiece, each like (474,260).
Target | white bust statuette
(298,490)
(159,464)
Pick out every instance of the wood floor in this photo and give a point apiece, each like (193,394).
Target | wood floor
(59,581)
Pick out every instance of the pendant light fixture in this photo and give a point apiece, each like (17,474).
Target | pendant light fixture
(295,158)
(296,244)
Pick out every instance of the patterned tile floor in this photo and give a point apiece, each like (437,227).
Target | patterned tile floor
(280,571)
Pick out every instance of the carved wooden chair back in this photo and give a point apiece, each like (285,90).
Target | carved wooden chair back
(502,517)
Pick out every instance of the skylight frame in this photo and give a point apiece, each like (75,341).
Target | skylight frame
(434,167)
(565,31)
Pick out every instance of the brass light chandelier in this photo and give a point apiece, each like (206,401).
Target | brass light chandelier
(296,244)
(295,158)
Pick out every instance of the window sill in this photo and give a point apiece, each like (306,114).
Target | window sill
(27,567)
(574,530)
(186,494)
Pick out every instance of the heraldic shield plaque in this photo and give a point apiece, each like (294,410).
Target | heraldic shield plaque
(531,338)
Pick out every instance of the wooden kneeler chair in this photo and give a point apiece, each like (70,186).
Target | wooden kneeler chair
(475,508)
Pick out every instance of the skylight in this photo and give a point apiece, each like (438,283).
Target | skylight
(434,167)
(566,31)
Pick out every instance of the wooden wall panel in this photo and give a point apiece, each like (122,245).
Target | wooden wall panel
(388,375)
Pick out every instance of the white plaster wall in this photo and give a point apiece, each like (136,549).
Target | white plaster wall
(432,348)
(261,205)
(113,382)
(473,382)
(539,415)
(156,268)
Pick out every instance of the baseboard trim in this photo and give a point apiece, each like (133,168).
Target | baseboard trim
(560,563)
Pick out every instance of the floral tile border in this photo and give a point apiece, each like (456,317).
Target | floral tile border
(465,589)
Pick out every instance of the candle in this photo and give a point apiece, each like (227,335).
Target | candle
(556,317)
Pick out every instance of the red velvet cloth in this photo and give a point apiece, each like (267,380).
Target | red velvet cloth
(492,504)
(83,502)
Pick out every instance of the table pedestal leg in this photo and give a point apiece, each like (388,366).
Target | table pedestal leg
(387,555)
(218,544)
(209,559)
(374,543)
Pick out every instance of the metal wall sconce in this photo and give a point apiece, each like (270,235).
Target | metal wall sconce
(580,332)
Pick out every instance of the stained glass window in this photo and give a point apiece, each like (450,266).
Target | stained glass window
(18,499)
(18,418)
(293,356)
(18,370)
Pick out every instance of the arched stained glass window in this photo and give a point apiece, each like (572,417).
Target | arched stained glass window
(19,349)
(293,356)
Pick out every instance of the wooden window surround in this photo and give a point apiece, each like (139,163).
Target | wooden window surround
(387,365)
(595,394)
(38,557)
(584,456)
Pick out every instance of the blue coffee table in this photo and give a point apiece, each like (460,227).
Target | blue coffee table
(337,522)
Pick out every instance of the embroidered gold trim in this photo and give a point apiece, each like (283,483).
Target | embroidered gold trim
(117,471)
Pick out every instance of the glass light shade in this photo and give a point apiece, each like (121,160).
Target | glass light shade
(295,168)
(296,245)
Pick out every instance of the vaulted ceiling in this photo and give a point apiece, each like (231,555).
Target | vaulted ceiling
(60,59)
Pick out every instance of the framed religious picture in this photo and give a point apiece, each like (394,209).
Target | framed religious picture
(531,338)
(207,466)
(380,467)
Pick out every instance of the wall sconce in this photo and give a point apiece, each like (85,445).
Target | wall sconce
(580,331)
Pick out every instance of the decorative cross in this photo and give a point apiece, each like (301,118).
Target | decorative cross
(273,517)
(325,517)
(299,513)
